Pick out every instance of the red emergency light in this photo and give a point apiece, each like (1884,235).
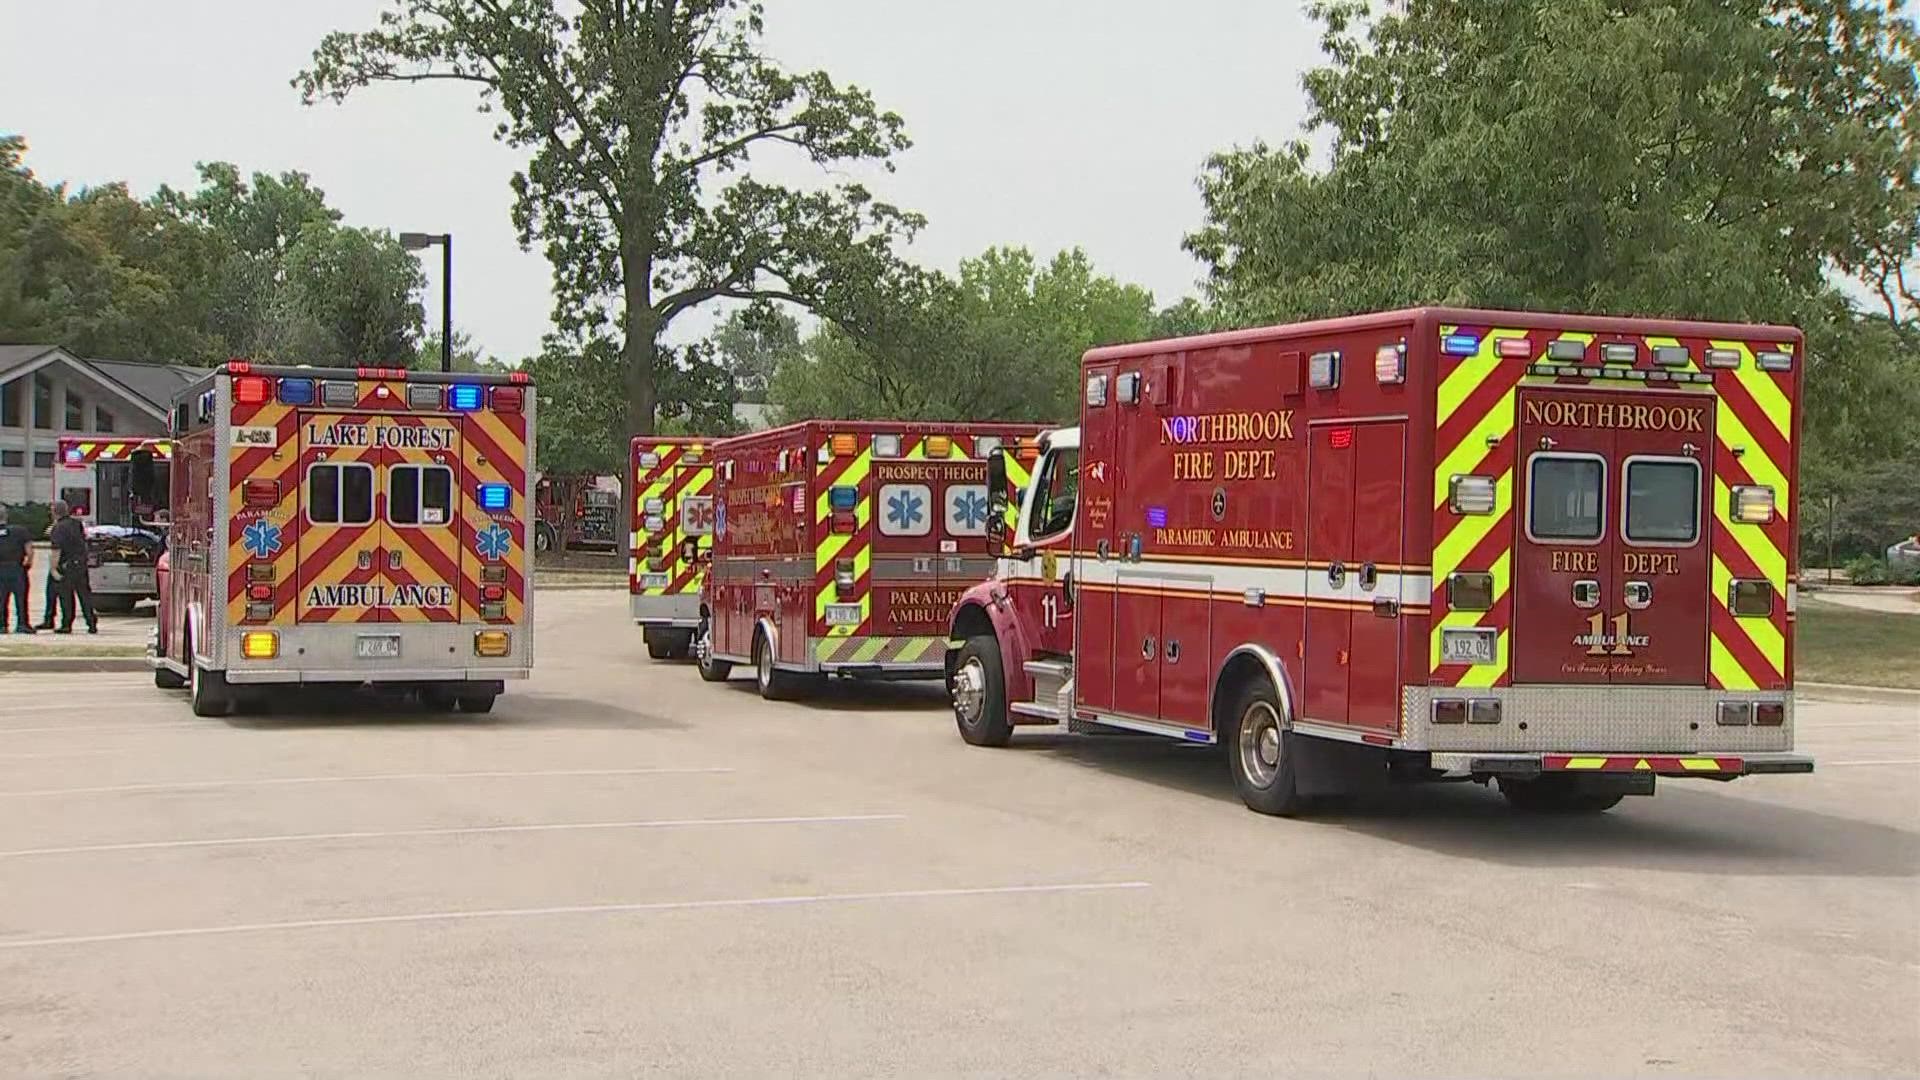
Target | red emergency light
(252,390)
(1340,438)
(507,399)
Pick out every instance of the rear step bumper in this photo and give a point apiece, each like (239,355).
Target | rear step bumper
(255,676)
(1705,765)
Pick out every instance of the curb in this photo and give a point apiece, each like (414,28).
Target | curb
(1849,692)
(55,664)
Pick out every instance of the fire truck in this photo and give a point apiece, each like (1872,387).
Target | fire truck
(359,526)
(672,540)
(840,546)
(125,533)
(1552,552)
(580,510)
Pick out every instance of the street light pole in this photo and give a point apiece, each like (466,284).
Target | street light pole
(415,241)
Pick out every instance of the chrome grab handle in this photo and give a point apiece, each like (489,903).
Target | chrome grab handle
(393,558)
(1336,574)
(1173,651)
(1147,648)
(364,559)
(1639,594)
(1369,576)
(1586,594)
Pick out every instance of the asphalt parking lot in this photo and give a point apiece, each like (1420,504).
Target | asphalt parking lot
(626,871)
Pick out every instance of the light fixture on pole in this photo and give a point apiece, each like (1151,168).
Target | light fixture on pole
(416,241)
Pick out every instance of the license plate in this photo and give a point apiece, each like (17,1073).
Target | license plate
(843,614)
(141,577)
(377,646)
(1466,647)
(653,581)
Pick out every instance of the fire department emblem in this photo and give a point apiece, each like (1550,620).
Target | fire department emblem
(1219,503)
(493,542)
(262,539)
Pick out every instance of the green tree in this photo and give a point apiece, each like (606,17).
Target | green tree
(642,120)
(751,344)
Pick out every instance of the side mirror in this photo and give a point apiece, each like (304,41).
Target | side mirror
(143,479)
(997,502)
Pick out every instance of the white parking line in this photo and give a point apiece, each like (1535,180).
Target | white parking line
(193,785)
(113,727)
(60,754)
(466,830)
(580,909)
(1888,761)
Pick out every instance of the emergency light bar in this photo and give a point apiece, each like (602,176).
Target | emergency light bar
(1389,364)
(465,397)
(1567,349)
(423,396)
(886,446)
(1752,504)
(843,497)
(649,460)
(495,496)
(1774,361)
(985,446)
(296,391)
(341,394)
(939,446)
(506,399)
(1619,352)
(1723,358)
(1323,370)
(1513,348)
(1671,355)
(252,390)
(1459,345)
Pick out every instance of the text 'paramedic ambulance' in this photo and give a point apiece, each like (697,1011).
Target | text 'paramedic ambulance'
(347,527)
(1553,551)
(672,540)
(840,546)
(125,533)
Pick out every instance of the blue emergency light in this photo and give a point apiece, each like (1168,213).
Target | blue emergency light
(1460,345)
(495,496)
(296,391)
(844,498)
(465,397)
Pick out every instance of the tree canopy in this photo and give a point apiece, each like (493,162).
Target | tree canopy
(642,120)
(257,267)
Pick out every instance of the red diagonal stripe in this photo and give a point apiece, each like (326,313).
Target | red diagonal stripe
(1481,400)
(507,466)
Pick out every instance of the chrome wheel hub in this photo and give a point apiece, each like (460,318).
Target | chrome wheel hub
(1259,744)
(970,690)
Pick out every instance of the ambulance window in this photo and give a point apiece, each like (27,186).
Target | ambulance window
(340,494)
(1663,501)
(419,494)
(1564,493)
(1053,503)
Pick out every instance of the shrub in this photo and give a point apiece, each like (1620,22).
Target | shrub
(35,517)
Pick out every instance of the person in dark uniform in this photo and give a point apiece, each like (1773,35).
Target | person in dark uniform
(16,560)
(69,539)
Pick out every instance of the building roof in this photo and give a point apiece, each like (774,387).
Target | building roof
(148,382)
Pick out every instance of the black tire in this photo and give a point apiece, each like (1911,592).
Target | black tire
(1558,795)
(207,690)
(711,670)
(168,679)
(659,643)
(438,699)
(775,684)
(1262,760)
(476,703)
(543,538)
(682,645)
(982,721)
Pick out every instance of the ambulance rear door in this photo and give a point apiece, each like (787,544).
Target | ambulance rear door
(421,486)
(340,538)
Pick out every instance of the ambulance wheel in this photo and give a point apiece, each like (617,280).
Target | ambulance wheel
(438,699)
(775,685)
(711,670)
(659,643)
(978,687)
(1558,795)
(207,690)
(168,679)
(1259,753)
(476,703)
(682,645)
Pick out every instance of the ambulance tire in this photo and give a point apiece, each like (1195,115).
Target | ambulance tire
(438,699)
(168,679)
(476,703)
(711,670)
(985,722)
(208,691)
(775,684)
(682,645)
(1558,795)
(659,643)
(1262,759)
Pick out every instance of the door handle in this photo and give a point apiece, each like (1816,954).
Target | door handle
(1173,651)
(1386,607)
(1133,547)
(364,559)
(393,558)
(1146,648)
(1639,594)
(1369,576)
(1586,594)
(1336,574)
(1101,549)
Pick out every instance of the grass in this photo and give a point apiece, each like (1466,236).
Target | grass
(1839,644)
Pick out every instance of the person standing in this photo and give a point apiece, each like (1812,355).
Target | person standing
(16,564)
(69,539)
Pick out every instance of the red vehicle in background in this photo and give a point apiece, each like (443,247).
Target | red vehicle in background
(577,512)
(839,547)
(1556,552)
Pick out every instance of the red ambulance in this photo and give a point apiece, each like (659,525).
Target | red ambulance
(839,547)
(1556,552)
(672,541)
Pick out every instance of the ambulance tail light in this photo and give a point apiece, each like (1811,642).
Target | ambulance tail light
(1750,598)
(494,574)
(1769,713)
(1752,504)
(843,578)
(296,391)
(843,499)
(465,397)
(1470,591)
(259,571)
(1389,365)
(259,592)
(1471,494)
(492,593)
(259,612)
(1450,710)
(1734,713)
(492,643)
(507,399)
(259,644)
(423,396)
(260,494)
(252,390)
(657,555)
(493,610)
(939,446)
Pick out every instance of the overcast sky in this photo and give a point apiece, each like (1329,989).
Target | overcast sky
(1045,123)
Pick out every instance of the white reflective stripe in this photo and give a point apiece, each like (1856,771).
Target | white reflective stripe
(1793,597)
(1286,582)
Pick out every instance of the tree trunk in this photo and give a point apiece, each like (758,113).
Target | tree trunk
(637,359)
